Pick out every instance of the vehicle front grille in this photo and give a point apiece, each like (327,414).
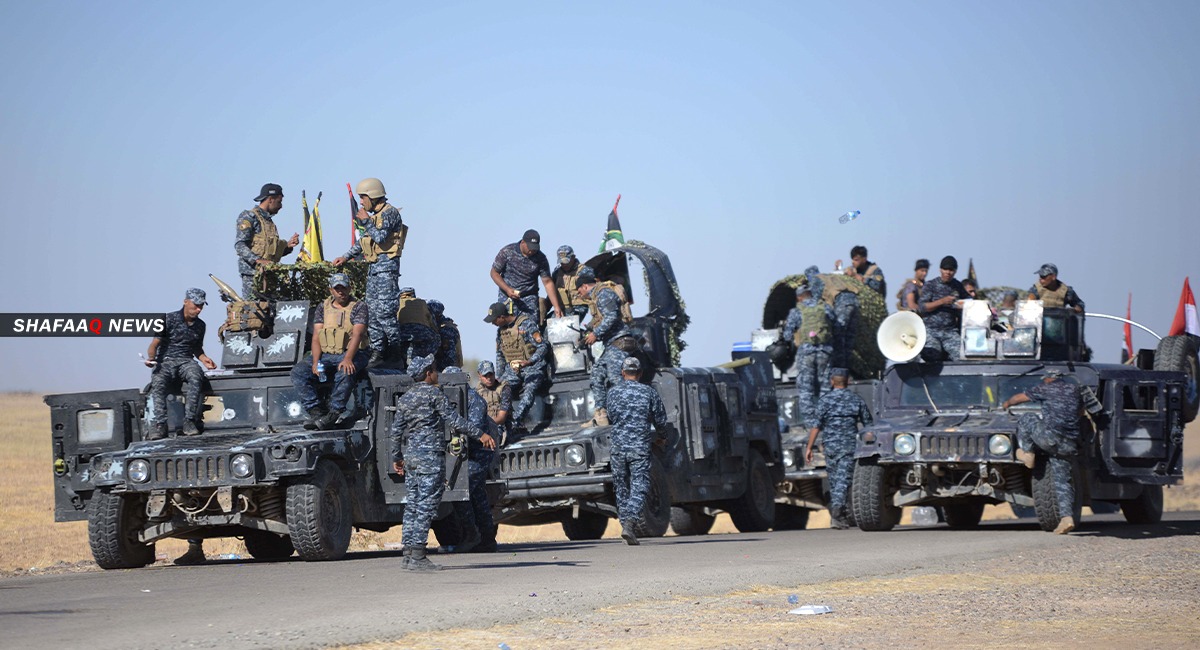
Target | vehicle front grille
(953,445)
(200,469)
(525,460)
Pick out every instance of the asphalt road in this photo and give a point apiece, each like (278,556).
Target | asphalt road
(367,597)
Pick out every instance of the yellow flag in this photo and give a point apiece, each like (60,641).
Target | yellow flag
(312,251)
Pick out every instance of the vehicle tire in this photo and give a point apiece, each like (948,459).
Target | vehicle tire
(589,526)
(690,521)
(264,545)
(1044,501)
(963,515)
(872,490)
(754,511)
(788,517)
(1147,508)
(656,514)
(1178,353)
(318,513)
(114,520)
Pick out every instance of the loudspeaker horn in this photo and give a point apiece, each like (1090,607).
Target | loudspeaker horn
(901,336)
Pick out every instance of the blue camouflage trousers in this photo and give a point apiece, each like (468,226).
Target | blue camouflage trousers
(606,372)
(524,305)
(170,375)
(942,344)
(479,460)
(248,291)
(383,301)
(306,382)
(812,380)
(845,328)
(839,466)
(421,506)
(531,383)
(1060,452)
(419,339)
(631,484)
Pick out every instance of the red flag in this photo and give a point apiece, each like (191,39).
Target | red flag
(1129,328)
(353,216)
(1186,321)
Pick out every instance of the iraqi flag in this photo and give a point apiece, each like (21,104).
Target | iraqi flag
(613,238)
(1186,321)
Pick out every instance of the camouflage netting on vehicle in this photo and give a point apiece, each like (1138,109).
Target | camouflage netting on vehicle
(304,281)
(656,262)
(866,361)
(995,295)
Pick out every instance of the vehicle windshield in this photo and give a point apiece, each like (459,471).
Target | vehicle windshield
(1010,386)
(945,390)
(570,407)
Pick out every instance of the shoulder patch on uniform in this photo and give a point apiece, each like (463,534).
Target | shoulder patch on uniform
(537,337)
(243,224)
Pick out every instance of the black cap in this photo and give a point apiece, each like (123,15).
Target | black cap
(495,311)
(270,189)
(532,240)
(949,263)
(921,264)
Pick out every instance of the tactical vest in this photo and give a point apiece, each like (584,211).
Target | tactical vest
(900,304)
(882,283)
(491,396)
(393,246)
(513,346)
(454,355)
(567,283)
(626,314)
(813,319)
(266,243)
(246,316)
(1055,298)
(336,328)
(836,283)
(415,311)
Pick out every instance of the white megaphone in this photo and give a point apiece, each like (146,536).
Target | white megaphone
(901,336)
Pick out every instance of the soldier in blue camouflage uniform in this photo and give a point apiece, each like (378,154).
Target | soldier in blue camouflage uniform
(449,352)
(497,394)
(845,322)
(1052,292)
(516,271)
(865,270)
(343,359)
(257,242)
(419,455)
(417,326)
(839,413)
(520,347)
(813,346)
(566,281)
(476,514)
(1056,434)
(939,307)
(381,246)
(609,328)
(633,407)
(171,354)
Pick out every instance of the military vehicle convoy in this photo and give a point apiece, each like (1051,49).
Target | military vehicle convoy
(254,473)
(941,439)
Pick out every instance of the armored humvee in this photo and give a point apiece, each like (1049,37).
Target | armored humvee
(722,451)
(941,439)
(254,473)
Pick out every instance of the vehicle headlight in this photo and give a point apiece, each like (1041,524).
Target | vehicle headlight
(138,471)
(575,455)
(242,465)
(1000,445)
(789,458)
(904,444)
(95,426)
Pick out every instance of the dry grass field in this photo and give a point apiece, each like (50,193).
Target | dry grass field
(29,537)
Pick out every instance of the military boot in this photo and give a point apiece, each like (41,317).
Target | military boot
(470,542)
(157,431)
(1065,525)
(190,428)
(194,555)
(314,416)
(417,560)
(627,533)
(488,543)
(1026,457)
(326,422)
(404,554)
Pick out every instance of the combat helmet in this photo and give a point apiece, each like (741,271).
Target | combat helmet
(372,187)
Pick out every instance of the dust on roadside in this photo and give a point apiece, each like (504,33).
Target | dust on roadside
(1093,590)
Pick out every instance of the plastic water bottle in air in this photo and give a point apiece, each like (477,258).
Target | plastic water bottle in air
(849,216)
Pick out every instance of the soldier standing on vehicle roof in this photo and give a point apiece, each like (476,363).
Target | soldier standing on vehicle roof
(419,455)
(565,277)
(257,242)
(865,270)
(497,395)
(841,292)
(942,311)
(381,246)
(609,325)
(170,355)
(1052,292)
(809,326)
(633,407)
(449,352)
(907,296)
(1055,434)
(339,327)
(520,347)
(477,512)
(416,326)
(516,271)
(839,413)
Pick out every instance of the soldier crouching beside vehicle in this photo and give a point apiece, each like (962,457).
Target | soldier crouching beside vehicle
(339,326)
(419,455)
(182,339)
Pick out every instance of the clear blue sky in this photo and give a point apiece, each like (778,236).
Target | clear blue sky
(132,134)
